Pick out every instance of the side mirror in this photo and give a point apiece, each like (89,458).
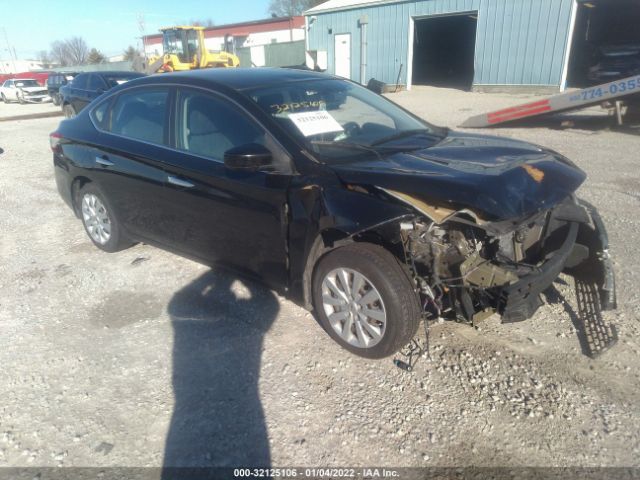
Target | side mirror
(249,158)
(100,91)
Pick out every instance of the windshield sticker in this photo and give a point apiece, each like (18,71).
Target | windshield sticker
(314,123)
(293,106)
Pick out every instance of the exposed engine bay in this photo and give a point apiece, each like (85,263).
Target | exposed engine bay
(466,268)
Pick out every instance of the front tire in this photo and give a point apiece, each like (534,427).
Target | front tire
(99,221)
(55,98)
(365,300)
(69,111)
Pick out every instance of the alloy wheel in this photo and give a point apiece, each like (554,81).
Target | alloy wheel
(96,218)
(354,307)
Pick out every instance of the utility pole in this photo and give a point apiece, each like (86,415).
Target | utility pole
(11,54)
(141,29)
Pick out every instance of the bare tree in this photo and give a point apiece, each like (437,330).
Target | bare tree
(78,50)
(290,8)
(72,51)
(59,53)
(202,23)
(44,59)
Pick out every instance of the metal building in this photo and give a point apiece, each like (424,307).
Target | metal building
(479,44)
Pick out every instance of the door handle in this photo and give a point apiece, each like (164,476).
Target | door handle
(179,182)
(104,161)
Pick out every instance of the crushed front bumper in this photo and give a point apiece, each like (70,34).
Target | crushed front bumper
(584,254)
(37,99)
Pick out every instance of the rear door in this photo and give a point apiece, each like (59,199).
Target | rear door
(77,92)
(129,157)
(223,216)
(95,87)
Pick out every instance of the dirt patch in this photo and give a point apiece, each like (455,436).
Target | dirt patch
(121,309)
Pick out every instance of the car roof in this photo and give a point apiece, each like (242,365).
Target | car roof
(111,73)
(238,78)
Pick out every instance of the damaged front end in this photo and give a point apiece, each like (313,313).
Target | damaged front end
(467,268)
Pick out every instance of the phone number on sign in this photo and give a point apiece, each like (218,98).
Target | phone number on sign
(614,88)
(295,472)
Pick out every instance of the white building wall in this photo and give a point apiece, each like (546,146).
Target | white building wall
(15,66)
(252,40)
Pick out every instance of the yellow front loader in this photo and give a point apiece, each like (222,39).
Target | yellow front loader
(184,49)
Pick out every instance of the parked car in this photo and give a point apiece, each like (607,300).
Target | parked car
(23,90)
(332,195)
(85,87)
(613,62)
(57,80)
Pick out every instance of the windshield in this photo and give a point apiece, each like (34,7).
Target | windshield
(340,120)
(27,83)
(173,43)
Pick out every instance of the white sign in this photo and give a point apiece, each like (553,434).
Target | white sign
(314,123)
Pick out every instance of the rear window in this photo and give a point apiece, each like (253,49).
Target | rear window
(95,83)
(138,114)
(100,115)
(115,80)
(80,81)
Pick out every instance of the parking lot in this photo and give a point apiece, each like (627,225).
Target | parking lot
(143,358)
(9,111)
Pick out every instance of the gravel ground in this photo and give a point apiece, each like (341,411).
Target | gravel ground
(8,110)
(143,358)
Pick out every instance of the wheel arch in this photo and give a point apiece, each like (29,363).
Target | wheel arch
(333,238)
(76,185)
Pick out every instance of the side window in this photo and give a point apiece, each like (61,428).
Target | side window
(209,126)
(141,115)
(100,115)
(80,82)
(95,82)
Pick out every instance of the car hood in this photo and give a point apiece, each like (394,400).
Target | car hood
(498,179)
(33,89)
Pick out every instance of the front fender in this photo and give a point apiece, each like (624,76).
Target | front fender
(324,217)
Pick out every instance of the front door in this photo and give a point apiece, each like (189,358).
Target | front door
(343,55)
(234,218)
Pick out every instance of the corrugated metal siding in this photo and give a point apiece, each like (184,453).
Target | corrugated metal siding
(519,42)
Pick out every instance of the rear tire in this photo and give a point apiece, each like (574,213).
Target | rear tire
(99,221)
(378,311)
(68,110)
(55,98)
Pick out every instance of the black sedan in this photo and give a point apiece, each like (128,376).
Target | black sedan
(332,195)
(85,87)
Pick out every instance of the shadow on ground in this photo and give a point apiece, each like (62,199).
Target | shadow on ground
(594,334)
(218,334)
(569,121)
